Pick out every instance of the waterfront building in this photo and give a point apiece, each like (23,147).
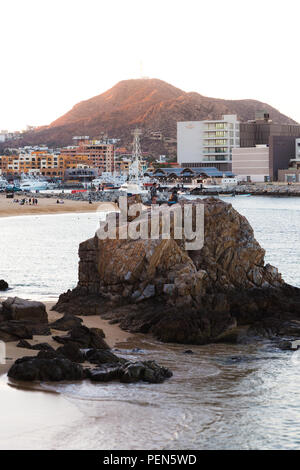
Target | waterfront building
(278,161)
(189,175)
(100,153)
(41,162)
(262,128)
(208,143)
(251,163)
(292,173)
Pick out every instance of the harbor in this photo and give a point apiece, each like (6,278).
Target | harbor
(194,409)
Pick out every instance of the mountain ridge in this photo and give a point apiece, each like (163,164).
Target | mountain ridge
(153,105)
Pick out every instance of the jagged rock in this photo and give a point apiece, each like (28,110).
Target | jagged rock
(66,323)
(25,310)
(147,371)
(24,344)
(84,337)
(14,330)
(47,354)
(71,351)
(96,356)
(37,369)
(131,372)
(36,347)
(3,285)
(198,296)
(49,365)
(105,374)
(285,345)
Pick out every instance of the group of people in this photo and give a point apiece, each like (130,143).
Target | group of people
(173,199)
(32,201)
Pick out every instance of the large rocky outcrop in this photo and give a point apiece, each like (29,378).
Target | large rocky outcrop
(195,296)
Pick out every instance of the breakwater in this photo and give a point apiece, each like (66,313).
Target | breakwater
(259,189)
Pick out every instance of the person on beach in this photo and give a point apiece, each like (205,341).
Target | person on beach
(153,193)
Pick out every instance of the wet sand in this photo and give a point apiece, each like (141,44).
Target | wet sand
(113,336)
(8,208)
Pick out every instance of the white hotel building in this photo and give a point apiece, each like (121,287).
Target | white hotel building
(208,143)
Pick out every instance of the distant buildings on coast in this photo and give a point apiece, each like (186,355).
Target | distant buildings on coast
(257,151)
(254,151)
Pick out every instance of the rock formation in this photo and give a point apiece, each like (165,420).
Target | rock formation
(197,296)
(3,285)
(20,319)
(83,346)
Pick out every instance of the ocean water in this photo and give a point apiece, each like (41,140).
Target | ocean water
(220,397)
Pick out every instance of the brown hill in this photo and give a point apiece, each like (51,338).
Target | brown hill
(151,104)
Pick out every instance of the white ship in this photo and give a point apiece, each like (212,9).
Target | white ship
(28,183)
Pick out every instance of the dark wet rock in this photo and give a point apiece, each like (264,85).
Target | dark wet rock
(42,347)
(105,374)
(84,337)
(25,310)
(3,285)
(66,323)
(285,345)
(24,344)
(130,372)
(147,371)
(37,369)
(14,331)
(96,356)
(47,354)
(49,365)
(2,316)
(36,347)
(21,319)
(71,351)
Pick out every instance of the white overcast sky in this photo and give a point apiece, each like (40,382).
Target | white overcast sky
(54,53)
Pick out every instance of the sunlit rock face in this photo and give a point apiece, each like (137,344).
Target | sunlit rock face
(192,296)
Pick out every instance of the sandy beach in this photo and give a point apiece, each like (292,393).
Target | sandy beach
(8,208)
(113,336)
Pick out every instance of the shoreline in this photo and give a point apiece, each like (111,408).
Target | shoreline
(48,206)
(113,336)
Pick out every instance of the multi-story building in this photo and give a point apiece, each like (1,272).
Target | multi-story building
(292,173)
(251,163)
(208,143)
(42,162)
(280,160)
(100,153)
(262,128)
